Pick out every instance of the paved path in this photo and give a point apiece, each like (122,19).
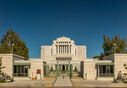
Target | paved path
(63,80)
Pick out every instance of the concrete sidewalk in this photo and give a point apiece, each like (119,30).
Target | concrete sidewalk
(96,83)
(29,83)
(63,80)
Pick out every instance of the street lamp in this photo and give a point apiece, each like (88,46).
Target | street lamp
(12,47)
(69,69)
(115,46)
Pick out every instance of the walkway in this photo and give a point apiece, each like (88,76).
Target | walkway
(63,80)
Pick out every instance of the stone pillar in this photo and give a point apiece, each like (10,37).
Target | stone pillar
(98,71)
(68,49)
(65,49)
(56,49)
(60,49)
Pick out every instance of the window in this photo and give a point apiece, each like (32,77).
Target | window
(105,70)
(63,58)
(21,70)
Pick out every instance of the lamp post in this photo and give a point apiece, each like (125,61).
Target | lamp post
(13,60)
(115,46)
(57,69)
(12,47)
(69,69)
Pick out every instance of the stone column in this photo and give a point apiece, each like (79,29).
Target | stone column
(68,49)
(65,49)
(62,49)
(98,71)
(58,48)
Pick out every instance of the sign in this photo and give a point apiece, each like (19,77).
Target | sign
(38,71)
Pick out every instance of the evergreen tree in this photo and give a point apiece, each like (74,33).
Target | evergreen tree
(75,69)
(19,47)
(51,68)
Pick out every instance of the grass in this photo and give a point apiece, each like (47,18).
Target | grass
(2,81)
(49,77)
(64,72)
(125,82)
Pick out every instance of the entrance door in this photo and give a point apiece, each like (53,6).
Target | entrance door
(63,67)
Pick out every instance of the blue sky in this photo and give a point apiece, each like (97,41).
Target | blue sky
(39,22)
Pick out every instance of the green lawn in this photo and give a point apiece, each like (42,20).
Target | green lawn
(125,82)
(2,81)
(64,72)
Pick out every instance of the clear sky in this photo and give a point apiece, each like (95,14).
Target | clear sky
(39,22)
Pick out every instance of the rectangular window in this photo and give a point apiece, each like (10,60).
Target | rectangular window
(105,70)
(21,70)
(63,58)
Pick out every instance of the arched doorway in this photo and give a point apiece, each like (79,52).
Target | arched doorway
(63,67)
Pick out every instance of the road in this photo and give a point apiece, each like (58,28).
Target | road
(61,87)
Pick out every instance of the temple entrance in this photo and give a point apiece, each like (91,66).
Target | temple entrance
(63,67)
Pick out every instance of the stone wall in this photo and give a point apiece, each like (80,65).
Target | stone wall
(35,65)
(119,61)
(89,70)
(7,62)
(81,51)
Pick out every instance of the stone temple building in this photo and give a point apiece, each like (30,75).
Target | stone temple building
(63,56)
(63,51)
